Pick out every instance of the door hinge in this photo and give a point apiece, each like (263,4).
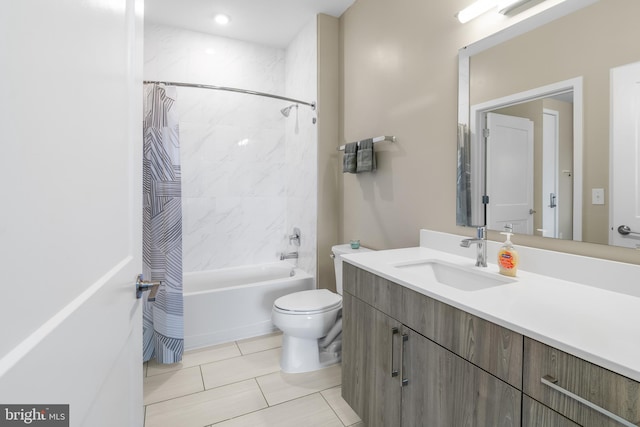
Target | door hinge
(485,133)
(485,200)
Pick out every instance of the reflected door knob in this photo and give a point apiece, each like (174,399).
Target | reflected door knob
(625,230)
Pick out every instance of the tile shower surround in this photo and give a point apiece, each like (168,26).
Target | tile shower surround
(249,174)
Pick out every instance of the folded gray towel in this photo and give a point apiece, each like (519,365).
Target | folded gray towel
(349,159)
(366,158)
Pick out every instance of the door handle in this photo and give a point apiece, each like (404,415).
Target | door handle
(394,371)
(552,382)
(625,230)
(404,381)
(146,285)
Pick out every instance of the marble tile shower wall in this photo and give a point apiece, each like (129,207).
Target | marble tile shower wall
(233,147)
(301,140)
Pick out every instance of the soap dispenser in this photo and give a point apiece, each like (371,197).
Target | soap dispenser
(507,255)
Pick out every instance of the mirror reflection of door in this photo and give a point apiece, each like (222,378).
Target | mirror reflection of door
(509,172)
(557,153)
(550,136)
(625,155)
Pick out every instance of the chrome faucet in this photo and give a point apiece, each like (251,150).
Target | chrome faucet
(481,242)
(290,255)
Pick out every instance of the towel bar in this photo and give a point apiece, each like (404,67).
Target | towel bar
(375,140)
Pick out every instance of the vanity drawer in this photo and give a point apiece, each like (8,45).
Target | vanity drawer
(535,414)
(376,291)
(491,347)
(581,391)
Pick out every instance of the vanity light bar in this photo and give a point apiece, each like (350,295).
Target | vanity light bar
(506,6)
(475,9)
(480,7)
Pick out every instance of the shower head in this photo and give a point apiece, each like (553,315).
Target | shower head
(286,111)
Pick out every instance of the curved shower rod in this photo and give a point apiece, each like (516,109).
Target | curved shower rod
(232,89)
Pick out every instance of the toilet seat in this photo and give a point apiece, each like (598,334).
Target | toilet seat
(308,302)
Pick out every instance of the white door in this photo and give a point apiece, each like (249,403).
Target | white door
(70,167)
(550,173)
(510,173)
(625,155)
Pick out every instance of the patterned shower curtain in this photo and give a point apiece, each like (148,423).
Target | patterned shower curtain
(163,326)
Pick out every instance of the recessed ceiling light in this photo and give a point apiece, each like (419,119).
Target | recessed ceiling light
(222,19)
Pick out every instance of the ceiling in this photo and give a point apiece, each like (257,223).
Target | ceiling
(267,22)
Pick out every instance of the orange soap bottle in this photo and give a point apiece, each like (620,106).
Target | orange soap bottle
(507,255)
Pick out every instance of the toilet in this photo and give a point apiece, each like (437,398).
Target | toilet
(310,323)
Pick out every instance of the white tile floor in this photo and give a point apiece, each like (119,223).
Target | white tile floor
(240,384)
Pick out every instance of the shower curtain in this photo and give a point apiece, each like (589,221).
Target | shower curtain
(163,326)
(463,199)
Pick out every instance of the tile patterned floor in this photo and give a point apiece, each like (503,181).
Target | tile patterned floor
(239,384)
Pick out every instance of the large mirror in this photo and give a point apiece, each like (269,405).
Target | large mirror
(546,127)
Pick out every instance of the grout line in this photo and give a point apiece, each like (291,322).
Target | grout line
(168,371)
(174,398)
(200,364)
(268,407)
(262,391)
(246,413)
(256,339)
(331,407)
(208,389)
(204,387)
(242,355)
(238,348)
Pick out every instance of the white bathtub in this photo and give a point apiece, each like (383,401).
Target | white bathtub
(235,303)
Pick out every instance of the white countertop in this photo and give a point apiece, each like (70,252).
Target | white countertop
(599,325)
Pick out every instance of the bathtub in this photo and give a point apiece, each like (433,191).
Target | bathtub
(235,303)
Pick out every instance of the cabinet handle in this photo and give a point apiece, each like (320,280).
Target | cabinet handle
(404,380)
(394,332)
(550,381)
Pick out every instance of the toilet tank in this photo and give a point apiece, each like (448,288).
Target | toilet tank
(338,251)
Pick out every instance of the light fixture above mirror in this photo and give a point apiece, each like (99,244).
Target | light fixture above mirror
(480,7)
(575,40)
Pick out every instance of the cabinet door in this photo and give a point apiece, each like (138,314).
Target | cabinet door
(444,390)
(535,414)
(370,356)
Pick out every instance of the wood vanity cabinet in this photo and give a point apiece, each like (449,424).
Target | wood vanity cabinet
(393,375)
(410,360)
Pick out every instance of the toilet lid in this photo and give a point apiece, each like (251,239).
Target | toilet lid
(313,300)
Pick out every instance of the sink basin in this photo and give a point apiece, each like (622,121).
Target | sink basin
(459,277)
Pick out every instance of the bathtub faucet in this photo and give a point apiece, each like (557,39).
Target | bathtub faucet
(295,237)
(290,255)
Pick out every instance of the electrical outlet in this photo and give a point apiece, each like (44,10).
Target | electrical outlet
(597,196)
